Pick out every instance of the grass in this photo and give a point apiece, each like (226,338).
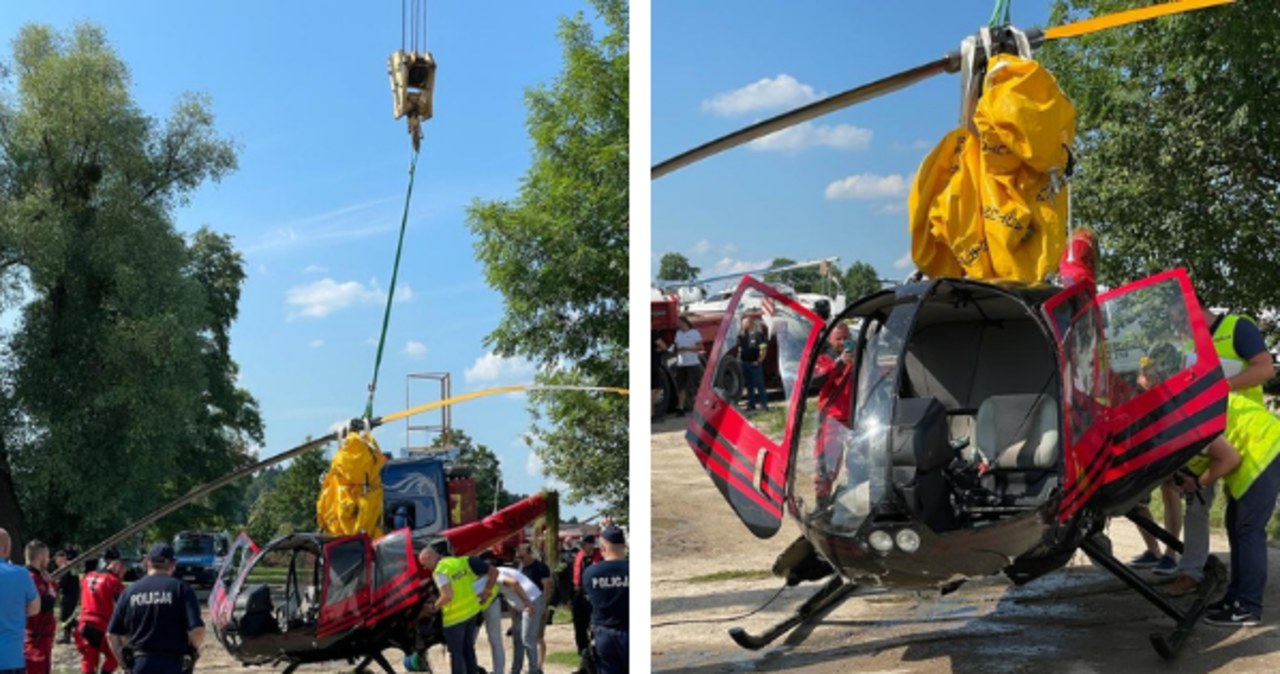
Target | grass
(566,658)
(732,574)
(271,575)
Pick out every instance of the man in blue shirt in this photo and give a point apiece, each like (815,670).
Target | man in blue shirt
(606,584)
(18,600)
(157,619)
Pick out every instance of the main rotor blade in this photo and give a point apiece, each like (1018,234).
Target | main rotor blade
(210,487)
(1125,18)
(845,99)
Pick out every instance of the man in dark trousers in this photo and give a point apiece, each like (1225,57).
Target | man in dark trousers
(587,555)
(68,594)
(608,586)
(156,626)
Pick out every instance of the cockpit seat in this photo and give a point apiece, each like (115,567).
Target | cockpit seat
(256,615)
(1019,435)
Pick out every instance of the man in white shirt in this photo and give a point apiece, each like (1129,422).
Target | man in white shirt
(520,592)
(688,364)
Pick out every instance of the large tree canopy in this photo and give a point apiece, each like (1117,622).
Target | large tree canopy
(1178,145)
(558,254)
(676,267)
(120,386)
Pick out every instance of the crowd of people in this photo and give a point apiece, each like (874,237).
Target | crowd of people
(469,591)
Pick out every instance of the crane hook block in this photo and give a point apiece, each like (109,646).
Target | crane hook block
(413,78)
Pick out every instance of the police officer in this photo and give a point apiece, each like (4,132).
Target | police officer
(68,594)
(459,603)
(156,626)
(607,584)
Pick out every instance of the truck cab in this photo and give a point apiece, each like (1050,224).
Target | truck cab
(199,555)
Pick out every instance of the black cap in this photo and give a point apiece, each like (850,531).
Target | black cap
(161,553)
(589,538)
(112,553)
(614,535)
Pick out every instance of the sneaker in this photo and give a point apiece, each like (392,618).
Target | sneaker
(1233,616)
(1167,566)
(1182,585)
(1220,605)
(1144,561)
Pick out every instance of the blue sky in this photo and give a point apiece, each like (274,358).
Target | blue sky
(836,187)
(302,89)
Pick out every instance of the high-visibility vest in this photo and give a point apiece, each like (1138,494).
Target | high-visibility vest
(1224,344)
(465,604)
(1255,432)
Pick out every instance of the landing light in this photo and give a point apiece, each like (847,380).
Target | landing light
(880,541)
(908,540)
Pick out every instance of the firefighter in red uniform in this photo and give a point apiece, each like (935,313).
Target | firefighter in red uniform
(835,402)
(43,626)
(98,593)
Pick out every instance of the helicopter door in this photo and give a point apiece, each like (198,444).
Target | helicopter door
(395,575)
(748,457)
(1076,321)
(1166,390)
(241,550)
(345,597)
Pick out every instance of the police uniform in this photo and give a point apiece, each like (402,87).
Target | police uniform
(606,584)
(155,614)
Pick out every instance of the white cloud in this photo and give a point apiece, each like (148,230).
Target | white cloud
(728,249)
(903,262)
(315,269)
(868,186)
(807,135)
(892,208)
(921,144)
(533,464)
(729,265)
(315,343)
(777,93)
(415,349)
(492,368)
(339,224)
(321,298)
(701,248)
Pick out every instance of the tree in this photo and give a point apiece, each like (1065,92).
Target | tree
(860,280)
(1178,159)
(558,254)
(676,267)
(290,504)
(120,365)
(485,468)
(806,280)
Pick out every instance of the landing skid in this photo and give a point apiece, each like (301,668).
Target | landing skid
(835,591)
(1167,645)
(376,658)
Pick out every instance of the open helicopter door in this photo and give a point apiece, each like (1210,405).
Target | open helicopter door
(345,598)
(220,604)
(748,458)
(395,575)
(1166,391)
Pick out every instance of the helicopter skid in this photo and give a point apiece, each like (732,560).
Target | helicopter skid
(1215,578)
(832,594)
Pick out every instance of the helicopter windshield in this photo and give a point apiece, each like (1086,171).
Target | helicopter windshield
(857,381)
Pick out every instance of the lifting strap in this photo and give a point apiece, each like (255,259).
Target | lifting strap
(391,290)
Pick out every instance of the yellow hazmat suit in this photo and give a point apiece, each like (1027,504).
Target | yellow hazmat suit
(990,202)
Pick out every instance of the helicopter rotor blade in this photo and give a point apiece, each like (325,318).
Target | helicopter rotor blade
(790,118)
(1127,17)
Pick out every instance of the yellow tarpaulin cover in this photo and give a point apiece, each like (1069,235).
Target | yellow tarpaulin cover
(351,495)
(994,205)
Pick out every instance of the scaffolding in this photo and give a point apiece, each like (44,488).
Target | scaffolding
(428,433)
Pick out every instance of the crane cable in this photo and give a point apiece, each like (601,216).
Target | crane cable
(391,290)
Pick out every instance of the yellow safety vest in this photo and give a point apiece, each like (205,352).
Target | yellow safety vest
(1255,432)
(465,604)
(1224,344)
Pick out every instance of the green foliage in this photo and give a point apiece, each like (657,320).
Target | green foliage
(558,254)
(676,267)
(805,280)
(290,504)
(860,280)
(1178,159)
(485,468)
(120,369)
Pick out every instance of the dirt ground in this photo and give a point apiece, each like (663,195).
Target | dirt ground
(214,658)
(1078,620)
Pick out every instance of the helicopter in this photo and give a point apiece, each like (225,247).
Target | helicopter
(989,426)
(346,597)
